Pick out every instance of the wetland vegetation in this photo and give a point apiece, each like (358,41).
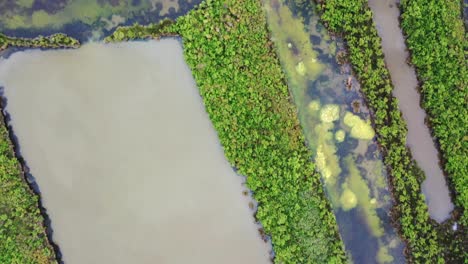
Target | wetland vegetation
(336,123)
(54,41)
(308,158)
(427,242)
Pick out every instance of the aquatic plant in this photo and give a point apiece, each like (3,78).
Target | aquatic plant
(359,128)
(329,113)
(340,135)
(313,106)
(437,42)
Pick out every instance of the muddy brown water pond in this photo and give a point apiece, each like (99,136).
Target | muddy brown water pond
(128,164)
(419,139)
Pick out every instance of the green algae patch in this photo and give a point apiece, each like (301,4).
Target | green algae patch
(348,199)
(359,128)
(294,47)
(329,113)
(340,135)
(227,47)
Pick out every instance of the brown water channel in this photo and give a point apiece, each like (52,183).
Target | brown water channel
(129,167)
(336,123)
(419,140)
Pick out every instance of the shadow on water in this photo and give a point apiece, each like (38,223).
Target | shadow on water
(84,19)
(28,177)
(337,126)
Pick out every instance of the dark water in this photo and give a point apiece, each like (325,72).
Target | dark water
(419,139)
(337,126)
(84,19)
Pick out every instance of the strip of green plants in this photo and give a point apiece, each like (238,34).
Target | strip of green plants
(52,41)
(437,42)
(352,19)
(227,47)
(22,234)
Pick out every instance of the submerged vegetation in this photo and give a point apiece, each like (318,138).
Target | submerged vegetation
(22,234)
(234,64)
(437,42)
(53,41)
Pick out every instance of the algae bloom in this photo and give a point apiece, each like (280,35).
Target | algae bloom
(300,68)
(359,128)
(348,200)
(330,113)
(314,106)
(340,136)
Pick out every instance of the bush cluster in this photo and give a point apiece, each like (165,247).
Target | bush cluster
(53,41)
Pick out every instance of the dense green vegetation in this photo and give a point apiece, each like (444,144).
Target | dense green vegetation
(227,47)
(353,20)
(436,39)
(22,234)
(53,41)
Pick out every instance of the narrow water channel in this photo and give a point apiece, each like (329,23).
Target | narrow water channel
(336,123)
(386,16)
(127,162)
